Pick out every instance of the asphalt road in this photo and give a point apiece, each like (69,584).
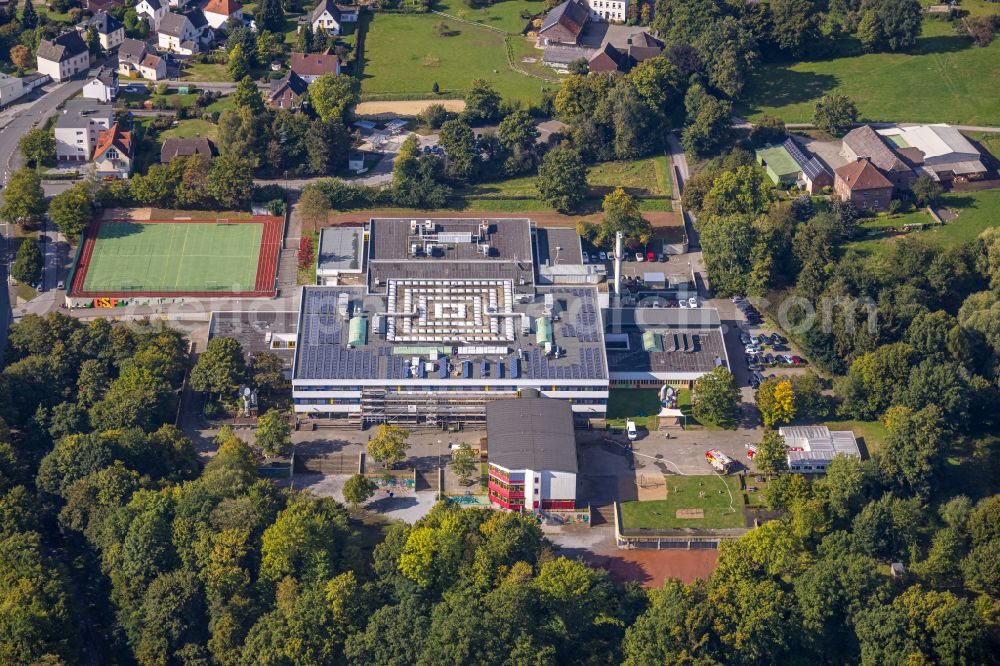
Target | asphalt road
(54,247)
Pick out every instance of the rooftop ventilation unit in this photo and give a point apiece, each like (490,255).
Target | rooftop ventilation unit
(343,302)
(414,249)
(549,303)
(525,324)
(428,225)
(413,226)
(486,249)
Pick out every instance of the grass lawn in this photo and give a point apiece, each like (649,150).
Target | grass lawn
(722,504)
(405,57)
(187,129)
(898,221)
(196,71)
(640,405)
(648,179)
(504,15)
(944,80)
(872,432)
(988,140)
(977,211)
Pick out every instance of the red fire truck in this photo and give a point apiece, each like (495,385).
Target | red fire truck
(719,461)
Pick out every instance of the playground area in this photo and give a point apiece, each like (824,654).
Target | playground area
(123,258)
(674,502)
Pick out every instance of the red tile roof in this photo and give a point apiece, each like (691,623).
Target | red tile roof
(113,137)
(862,175)
(224,7)
(314,64)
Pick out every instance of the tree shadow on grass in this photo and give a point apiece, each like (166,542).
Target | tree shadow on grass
(781,86)
(940,44)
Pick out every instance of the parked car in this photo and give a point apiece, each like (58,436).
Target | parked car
(693,302)
(780,348)
(798,360)
(663,257)
(768,359)
(650,256)
(60,285)
(752,349)
(639,256)
(787,359)
(586,258)
(684,304)
(745,338)
(754,383)
(631,431)
(603,256)
(779,339)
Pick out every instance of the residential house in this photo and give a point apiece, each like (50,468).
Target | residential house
(327,15)
(152,11)
(218,12)
(103,87)
(11,89)
(864,185)
(865,143)
(608,60)
(110,31)
(532,453)
(135,60)
(184,33)
(642,46)
(564,23)
(178,147)
(287,92)
(77,129)
(114,152)
(311,66)
(944,153)
(63,57)
(609,10)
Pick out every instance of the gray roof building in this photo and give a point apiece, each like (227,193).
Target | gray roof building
(77,113)
(65,46)
(531,433)
(812,448)
(178,147)
(104,22)
(131,51)
(340,251)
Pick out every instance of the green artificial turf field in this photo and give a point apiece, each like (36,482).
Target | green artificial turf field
(174,257)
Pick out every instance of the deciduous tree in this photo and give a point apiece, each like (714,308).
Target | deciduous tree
(333,96)
(562,179)
(220,368)
(389,444)
(359,489)
(274,433)
(716,398)
(71,212)
(772,453)
(23,198)
(27,265)
(835,113)
(776,401)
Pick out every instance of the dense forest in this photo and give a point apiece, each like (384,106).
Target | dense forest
(118,547)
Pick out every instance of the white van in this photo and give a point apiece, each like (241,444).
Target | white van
(631,431)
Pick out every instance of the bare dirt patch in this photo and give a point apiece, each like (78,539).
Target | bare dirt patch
(406,108)
(692,514)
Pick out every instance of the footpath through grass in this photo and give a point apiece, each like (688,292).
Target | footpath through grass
(718,497)
(945,79)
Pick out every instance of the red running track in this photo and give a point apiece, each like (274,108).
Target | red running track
(267,262)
